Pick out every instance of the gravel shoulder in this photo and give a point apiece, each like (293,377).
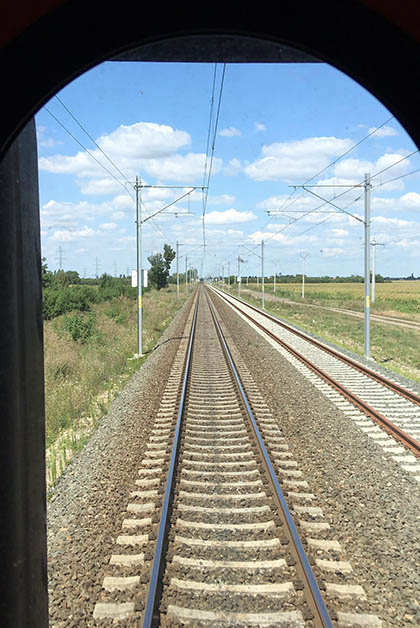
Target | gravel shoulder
(86,509)
(369,501)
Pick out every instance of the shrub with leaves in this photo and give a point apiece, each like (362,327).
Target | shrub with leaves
(80,327)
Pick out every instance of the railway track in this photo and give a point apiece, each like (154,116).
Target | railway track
(394,408)
(222,528)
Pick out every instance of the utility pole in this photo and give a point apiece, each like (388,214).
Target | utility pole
(275,277)
(262,274)
(139,271)
(177,272)
(60,258)
(137,186)
(96,268)
(186,275)
(366,224)
(262,270)
(303,256)
(374,245)
(367,186)
(239,278)
(229,276)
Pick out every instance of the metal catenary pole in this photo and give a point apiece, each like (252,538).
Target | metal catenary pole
(177,272)
(139,270)
(138,185)
(186,275)
(366,223)
(303,256)
(374,245)
(239,276)
(367,186)
(262,274)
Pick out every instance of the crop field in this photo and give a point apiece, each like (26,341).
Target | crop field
(396,348)
(396,297)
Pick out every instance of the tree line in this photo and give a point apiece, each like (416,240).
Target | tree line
(65,291)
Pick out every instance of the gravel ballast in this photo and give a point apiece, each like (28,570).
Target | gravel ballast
(87,506)
(369,501)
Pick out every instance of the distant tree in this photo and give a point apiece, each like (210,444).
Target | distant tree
(168,255)
(160,265)
(47,275)
(66,278)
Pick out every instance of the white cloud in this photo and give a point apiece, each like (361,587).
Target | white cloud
(233,168)
(259,127)
(67,235)
(65,213)
(408,244)
(179,168)
(296,161)
(222,199)
(43,139)
(385,131)
(145,147)
(411,200)
(230,132)
(108,226)
(283,239)
(331,252)
(230,216)
(394,222)
(339,233)
(143,140)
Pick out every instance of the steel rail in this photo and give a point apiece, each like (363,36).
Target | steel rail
(400,390)
(316,601)
(400,435)
(151,613)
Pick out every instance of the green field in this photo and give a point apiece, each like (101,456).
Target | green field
(88,358)
(397,348)
(396,297)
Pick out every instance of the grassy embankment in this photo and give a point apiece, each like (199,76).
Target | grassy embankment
(397,348)
(83,376)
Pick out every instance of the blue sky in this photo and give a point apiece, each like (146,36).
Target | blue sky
(277,127)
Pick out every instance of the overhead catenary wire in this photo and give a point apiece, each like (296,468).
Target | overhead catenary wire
(86,149)
(207,176)
(153,222)
(92,139)
(402,176)
(336,160)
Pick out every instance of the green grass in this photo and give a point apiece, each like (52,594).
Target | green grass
(396,348)
(88,360)
(399,297)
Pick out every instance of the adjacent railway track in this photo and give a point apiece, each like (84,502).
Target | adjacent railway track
(393,407)
(221,545)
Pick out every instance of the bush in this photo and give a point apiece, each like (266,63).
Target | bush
(80,327)
(57,301)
